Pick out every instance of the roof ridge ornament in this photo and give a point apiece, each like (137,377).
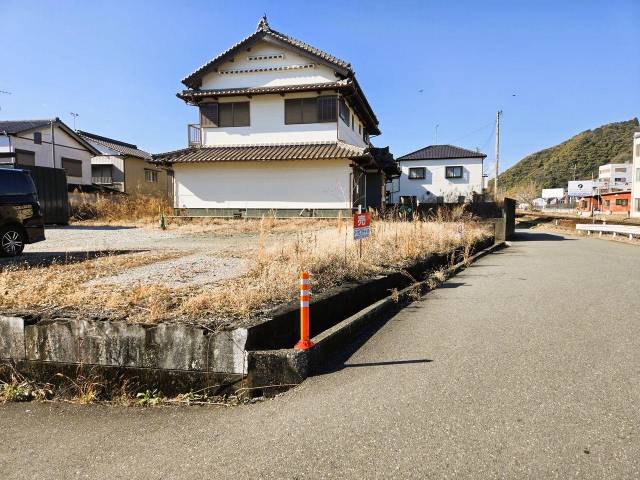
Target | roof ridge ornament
(263,24)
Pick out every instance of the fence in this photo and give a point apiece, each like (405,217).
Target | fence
(51,184)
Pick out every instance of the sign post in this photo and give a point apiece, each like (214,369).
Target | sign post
(361,227)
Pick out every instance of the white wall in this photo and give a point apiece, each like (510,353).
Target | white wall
(635,177)
(349,134)
(266,118)
(296,76)
(65,146)
(435,182)
(268,184)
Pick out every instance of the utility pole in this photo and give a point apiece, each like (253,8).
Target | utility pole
(495,181)
(437,125)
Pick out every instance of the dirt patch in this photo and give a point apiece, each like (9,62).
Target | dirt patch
(197,269)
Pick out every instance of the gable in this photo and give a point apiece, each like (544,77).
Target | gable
(267,64)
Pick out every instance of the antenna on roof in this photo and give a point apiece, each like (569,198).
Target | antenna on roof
(263,24)
(74,115)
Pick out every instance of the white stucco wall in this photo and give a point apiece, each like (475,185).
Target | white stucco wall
(270,184)
(348,134)
(435,184)
(635,177)
(295,76)
(266,117)
(65,146)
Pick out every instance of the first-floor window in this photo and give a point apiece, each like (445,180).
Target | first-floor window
(150,176)
(417,173)
(73,168)
(453,172)
(623,202)
(25,157)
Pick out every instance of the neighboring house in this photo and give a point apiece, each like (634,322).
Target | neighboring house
(616,202)
(47,143)
(283,126)
(439,173)
(124,167)
(615,176)
(635,183)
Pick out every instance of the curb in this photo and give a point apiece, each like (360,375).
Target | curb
(278,370)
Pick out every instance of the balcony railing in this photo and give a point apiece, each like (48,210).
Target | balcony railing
(102,180)
(194,135)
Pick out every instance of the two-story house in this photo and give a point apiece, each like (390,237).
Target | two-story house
(614,176)
(438,174)
(283,127)
(635,176)
(47,143)
(124,167)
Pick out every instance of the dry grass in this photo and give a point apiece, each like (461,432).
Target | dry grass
(328,252)
(121,209)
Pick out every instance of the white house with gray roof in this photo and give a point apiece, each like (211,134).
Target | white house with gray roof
(282,126)
(439,173)
(47,143)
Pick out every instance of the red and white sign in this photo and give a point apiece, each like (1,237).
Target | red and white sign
(361,225)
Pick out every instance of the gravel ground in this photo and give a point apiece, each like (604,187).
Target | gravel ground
(205,257)
(197,269)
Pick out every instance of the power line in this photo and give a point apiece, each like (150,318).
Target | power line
(472,132)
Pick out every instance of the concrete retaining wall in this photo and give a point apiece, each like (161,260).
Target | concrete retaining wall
(118,344)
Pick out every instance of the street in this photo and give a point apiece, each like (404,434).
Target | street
(525,365)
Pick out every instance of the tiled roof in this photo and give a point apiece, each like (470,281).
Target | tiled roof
(437,152)
(292,151)
(192,80)
(187,94)
(115,145)
(17,126)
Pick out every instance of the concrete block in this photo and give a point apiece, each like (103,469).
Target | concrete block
(12,338)
(163,346)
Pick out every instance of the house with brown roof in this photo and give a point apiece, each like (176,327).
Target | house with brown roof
(439,174)
(282,126)
(124,167)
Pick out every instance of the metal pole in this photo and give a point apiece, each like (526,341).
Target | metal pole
(495,182)
(53,145)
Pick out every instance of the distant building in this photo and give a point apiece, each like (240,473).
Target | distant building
(616,203)
(614,176)
(124,167)
(47,143)
(635,178)
(439,173)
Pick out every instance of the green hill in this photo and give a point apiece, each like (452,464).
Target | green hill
(554,167)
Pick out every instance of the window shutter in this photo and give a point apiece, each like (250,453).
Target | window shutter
(241,114)
(293,111)
(209,115)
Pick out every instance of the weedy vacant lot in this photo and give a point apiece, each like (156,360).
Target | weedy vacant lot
(215,272)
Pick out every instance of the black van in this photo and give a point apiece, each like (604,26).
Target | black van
(21,220)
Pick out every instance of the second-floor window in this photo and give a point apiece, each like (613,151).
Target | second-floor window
(234,114)
(417,173)
(453,172)
(344,111)
(310,110)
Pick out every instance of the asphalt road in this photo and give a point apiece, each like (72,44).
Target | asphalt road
(526,365)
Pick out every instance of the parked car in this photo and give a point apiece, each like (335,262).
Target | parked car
(21,220)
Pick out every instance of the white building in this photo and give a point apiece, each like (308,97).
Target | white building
(283,126)
(614,176)
(47,143)
(439,173)
(635,178)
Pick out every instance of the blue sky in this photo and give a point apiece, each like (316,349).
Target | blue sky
(571,64)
